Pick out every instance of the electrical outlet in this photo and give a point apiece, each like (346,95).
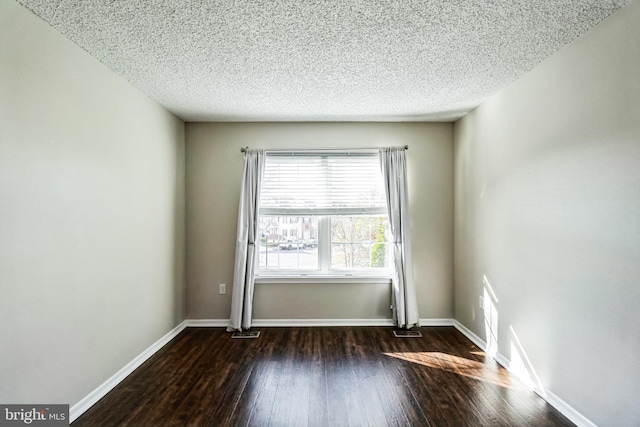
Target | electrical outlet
(481,302)
(223,288)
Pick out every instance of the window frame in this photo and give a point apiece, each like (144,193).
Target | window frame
(324,272)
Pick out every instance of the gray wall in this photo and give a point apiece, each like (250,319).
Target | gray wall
(91,217)
(214,170)
(547,212)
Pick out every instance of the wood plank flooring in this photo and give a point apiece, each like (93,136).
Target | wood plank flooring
(329,376)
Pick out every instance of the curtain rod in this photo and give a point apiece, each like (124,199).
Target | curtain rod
(244,149)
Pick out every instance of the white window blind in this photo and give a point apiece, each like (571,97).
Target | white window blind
(322,184)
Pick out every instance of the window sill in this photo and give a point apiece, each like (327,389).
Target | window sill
(315,278)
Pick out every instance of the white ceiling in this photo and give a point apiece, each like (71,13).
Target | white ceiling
(315,60)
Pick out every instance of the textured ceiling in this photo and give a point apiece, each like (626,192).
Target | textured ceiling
(344,60)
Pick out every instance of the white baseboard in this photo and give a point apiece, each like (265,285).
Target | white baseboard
(568,411)
(290,323)
(469,334)
(320,322)
(283,323)
(437,322)
(563,407)
(207,323)
(88,401)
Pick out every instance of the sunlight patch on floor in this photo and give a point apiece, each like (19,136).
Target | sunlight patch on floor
(460,366)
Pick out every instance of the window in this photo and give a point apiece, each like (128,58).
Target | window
(358,242)
(323,214)
(282,250)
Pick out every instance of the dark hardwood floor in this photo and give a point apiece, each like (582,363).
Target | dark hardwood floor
(329,376)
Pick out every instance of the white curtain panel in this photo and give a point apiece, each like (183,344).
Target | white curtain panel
(246,254)
(394,175)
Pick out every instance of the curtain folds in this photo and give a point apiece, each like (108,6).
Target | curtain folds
(246,253)
(394,175)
